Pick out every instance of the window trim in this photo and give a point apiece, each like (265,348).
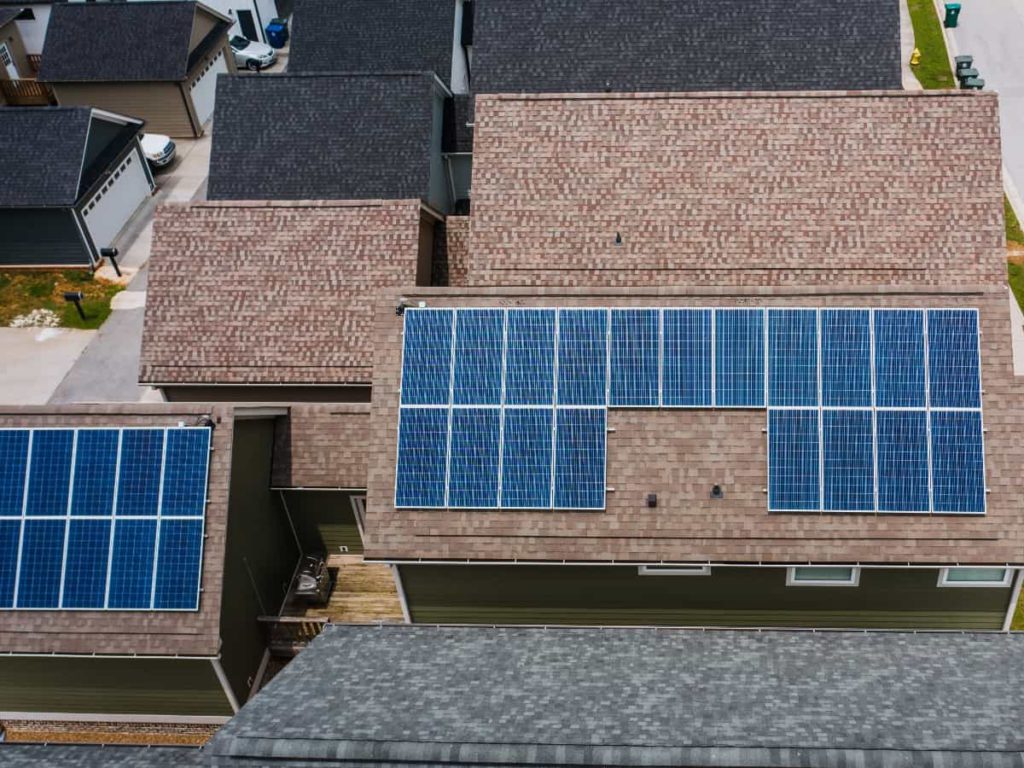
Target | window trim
(945,582)
(793,581)
(658,569)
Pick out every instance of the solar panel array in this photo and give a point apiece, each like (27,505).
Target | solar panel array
(96,519)
(869,410)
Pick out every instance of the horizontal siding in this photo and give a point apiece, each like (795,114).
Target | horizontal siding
(161,105)
(324,521)
(81,685)
(886,598)
(40,238)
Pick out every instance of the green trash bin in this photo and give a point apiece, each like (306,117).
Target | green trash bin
(952,14)
(972,84)
(963,62)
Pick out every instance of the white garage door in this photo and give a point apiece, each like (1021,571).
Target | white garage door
(204,87)
(122,193)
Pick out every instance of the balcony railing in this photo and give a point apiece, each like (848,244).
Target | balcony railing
(26,93)
(287,635)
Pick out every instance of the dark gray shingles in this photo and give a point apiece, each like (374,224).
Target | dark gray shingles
(95,756)
(112,42)
(373,36)
(620,696)
(322,137)
(8,15)
(42,155)
(539,46)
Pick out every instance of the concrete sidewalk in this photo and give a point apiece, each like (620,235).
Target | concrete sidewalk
(36,360)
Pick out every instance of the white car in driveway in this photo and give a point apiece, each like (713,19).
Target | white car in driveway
(252,55)
(158,149)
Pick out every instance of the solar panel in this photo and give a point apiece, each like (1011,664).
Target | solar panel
(848,461)
(793,460)
(474,457)
(427,357)
(686,358)
(580,458)
(526,458)
(99,518)
(899,358)
(634,357)
(582,356)
(953,376)
(530,357)
(958,462)
(846,357)
(902,461)
(479,344)
(739,358)
(792,357)
(422,457)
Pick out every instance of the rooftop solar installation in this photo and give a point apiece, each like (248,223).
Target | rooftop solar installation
(102,519)
(869,410)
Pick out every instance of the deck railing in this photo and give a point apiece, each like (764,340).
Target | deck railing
(287,635)
(27,93)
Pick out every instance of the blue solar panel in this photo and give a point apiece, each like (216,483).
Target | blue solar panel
(530,357)
(131,566)
(10,533)
(902,461)
(953,364)
(95,472)
(49,472)
(899,358)
(582,356)
(184,486)
(634,361)
(138,491)
(478,356)
(427,357)
(792,357)
(793,463)
(13,459)
(958,462)
(85,569)
(739,358)
(580,458)
(526,459)
(42,549)
(422,457)
(473,466)
(846,357)
(849,461)
(686,357)
(178,565)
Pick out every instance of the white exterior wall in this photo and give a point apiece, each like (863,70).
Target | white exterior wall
(460,72)
(109,209)
(33,33)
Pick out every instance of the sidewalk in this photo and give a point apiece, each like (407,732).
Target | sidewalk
(35,360)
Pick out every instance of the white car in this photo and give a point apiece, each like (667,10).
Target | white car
(252,55)
(158,149)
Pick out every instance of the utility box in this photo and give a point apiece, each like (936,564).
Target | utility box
(952,14)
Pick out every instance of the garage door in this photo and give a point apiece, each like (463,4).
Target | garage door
(122,193)
(204,87)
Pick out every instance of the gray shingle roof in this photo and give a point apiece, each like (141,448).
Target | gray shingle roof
(322,137)
(373,36)
(588,696)
(94,756)
(685,45)
(8,15)
(41,161)
(110,42)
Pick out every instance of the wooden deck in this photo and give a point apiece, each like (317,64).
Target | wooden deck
(364,592)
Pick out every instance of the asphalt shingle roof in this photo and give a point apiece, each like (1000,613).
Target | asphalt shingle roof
(41,161)
(588,696)
(373,36)
(112,42)
(96,756)
(322,137)
(8,14)
(536,46)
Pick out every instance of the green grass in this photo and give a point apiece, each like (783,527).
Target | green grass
(1013,230)
(1015,275)
(1017,623)
(21,292)
(933,71)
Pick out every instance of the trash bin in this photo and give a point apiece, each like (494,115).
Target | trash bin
(277,33)
(966,73)
(952,14)
(963,62)
(972,84)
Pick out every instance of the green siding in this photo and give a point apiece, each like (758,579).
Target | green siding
(41,237)
(260,557)
(616,595)
(116,686)
(324,521)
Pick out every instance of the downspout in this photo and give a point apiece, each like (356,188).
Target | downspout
(1018,582)
(401,594)
(223,678)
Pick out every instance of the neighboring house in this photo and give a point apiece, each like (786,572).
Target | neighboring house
(381,36)
(331,137)
(761,354)
(32,20)
(73,178)
(155,60)
(14,63)
(304,279)
(138,546)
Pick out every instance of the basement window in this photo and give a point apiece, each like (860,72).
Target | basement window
(822,576)
(674,570)
(974,577)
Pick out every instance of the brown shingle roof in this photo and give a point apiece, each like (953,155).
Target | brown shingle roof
(322,446)
(272,292)
(736,189)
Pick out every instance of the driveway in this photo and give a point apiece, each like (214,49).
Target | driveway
(35,360)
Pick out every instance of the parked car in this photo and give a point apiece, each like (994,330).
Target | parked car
(252,55)
(158,149)
(313,584)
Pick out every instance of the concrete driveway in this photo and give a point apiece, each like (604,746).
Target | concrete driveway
(36,360)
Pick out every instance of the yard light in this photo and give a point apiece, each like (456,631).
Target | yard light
(75,297)
(111,253)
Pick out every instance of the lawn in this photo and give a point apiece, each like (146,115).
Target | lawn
(23,291)
(933,71)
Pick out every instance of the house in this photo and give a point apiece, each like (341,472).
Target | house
(331,137)
(381,36)
(31,21)
(713,365)
(74,178)
(14,63)
(158,61)
(138,546)
(250,17)
(297,322)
